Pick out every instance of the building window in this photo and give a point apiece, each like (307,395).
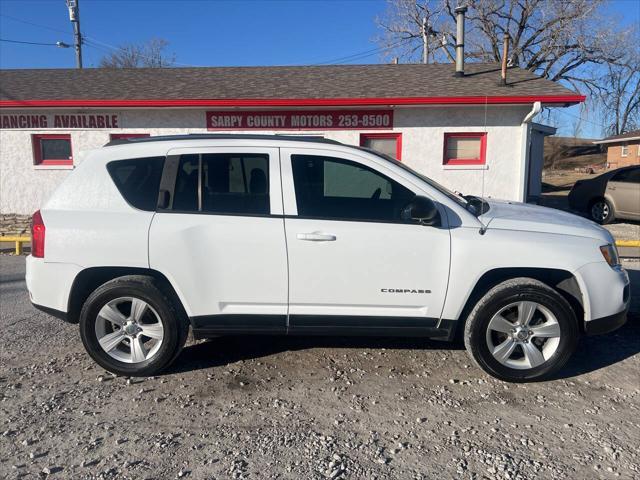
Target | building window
(624,150)
(387,143)
(52,150)
(465,148)
(124,136)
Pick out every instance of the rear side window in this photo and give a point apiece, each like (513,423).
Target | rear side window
(223,183)
(138,180)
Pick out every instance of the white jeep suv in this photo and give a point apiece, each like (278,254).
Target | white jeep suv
(233,234)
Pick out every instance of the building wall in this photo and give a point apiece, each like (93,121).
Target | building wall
(615,158)
(24,187)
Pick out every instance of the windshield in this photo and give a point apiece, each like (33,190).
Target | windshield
(464,202)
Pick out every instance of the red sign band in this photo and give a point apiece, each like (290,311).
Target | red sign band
(301,120)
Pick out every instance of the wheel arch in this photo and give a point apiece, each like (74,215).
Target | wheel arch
(87,280)
(563,281)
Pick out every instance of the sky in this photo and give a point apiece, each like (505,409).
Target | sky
(212,32)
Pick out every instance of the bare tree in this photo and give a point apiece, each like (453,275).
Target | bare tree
(560,40)
(150,55)
(620,99)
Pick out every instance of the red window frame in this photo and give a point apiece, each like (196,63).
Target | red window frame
(121,136)
(390,135)
(36,140)
(466,161)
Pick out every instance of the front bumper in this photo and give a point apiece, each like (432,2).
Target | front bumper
(603,325)
(605,290)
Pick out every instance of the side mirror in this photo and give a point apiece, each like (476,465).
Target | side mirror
(422,210)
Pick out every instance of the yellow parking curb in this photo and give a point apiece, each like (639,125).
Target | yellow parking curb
(627,243)
(18,240)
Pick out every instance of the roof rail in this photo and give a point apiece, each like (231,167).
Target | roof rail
(221,136)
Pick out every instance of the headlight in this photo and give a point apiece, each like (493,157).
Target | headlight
(610,254)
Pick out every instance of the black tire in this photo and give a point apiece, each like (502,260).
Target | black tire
(175,325)
(503,295)
(601,211)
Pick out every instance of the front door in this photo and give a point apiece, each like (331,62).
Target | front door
(354,265)
(220,239)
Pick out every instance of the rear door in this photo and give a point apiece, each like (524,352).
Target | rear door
(624,189)
(219,237)
(354,265)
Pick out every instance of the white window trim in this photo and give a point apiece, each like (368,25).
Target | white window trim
(624,150)
(465,167)
(53,167)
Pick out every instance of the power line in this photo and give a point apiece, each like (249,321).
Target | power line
(57,44)
(364,54)
(26,22)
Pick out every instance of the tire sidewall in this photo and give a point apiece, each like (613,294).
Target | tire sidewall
(557,305)
(157,301)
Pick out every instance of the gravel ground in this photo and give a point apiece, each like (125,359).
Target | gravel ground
(309,408)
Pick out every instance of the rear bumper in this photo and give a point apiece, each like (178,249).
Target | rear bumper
(49,283)
(52,311)
(603,325)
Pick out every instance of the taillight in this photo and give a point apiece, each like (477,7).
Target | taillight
(37,235)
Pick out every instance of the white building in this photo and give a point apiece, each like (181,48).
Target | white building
(467,132)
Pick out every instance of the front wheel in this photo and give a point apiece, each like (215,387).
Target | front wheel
(129,327)
(521,330)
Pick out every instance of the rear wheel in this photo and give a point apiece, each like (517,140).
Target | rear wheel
(601,211)
(130,327)
(521,330)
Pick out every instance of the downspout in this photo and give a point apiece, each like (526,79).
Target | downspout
(524,152)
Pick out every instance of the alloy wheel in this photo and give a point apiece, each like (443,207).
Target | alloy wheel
(129,330)
(523,335)
(600,211)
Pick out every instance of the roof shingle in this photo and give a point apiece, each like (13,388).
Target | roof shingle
(311,82)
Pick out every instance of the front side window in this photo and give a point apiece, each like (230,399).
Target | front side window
(465,148)
(334,188)
(138,180)
(631,175)
(52,149)
(223,183)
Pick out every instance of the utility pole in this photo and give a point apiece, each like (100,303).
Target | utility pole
(425,41)
(74,16)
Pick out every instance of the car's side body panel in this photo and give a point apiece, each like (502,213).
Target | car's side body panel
(225,264)
(369,268)
(90,224)
(625,198)
(476,254)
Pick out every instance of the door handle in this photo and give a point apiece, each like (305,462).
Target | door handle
(316,237)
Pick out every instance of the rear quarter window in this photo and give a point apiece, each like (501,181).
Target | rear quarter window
(138,180)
